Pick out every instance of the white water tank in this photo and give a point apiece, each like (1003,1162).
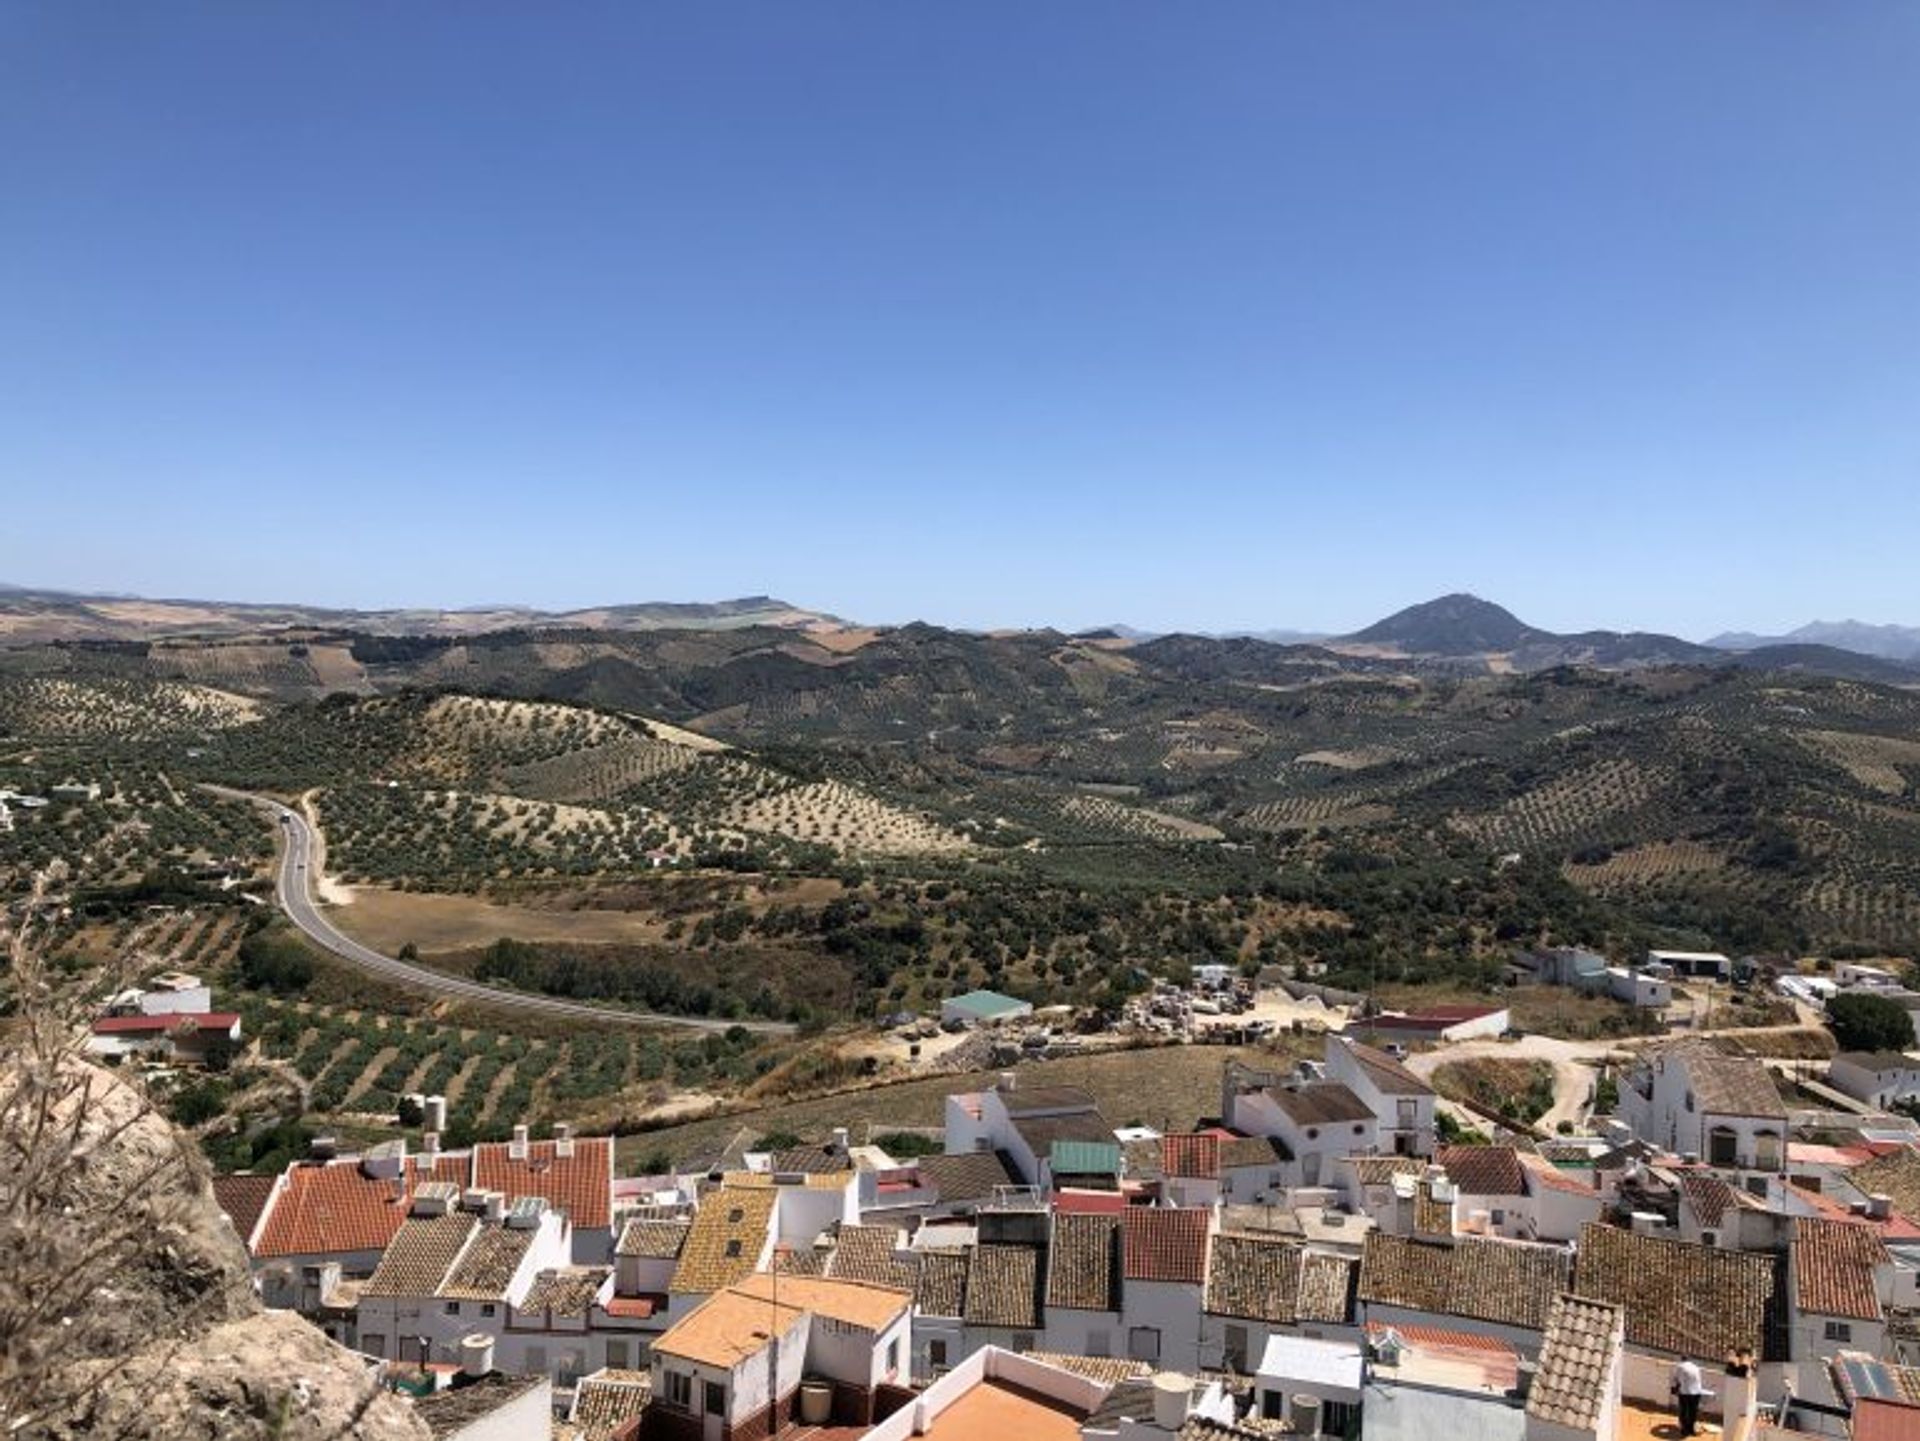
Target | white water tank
(476,1353)
(1304,1412)
(1171,1391)
(816,1403)
(435,1110)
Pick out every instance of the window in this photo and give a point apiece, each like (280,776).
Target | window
(1359,1130)
(716,1398)
(453,1308)
(1499,1217)
(1409,1115)
(487,1308)
(1313,1133)
(680,1390)
(374,1344)
(1143,1343)
(1839,1331)
(733,1248)
(618,1356)
(936,1353)
(1709,1238)
(893,1355)
(1236,1348)
(1339,1418)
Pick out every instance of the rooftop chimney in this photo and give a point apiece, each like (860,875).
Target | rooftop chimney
(517,1147)
(1879,1207)
(1171,1392)
(435,1113)
(842,1140)
(430,1147)
(323,1148)
(562,1139)
(476,1354)
(1008,1080)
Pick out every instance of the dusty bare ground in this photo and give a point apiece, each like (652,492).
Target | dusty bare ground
(387,920)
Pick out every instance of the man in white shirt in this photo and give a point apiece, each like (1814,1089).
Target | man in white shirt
(1688,1388)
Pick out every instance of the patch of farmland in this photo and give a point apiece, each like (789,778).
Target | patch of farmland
(598,772)
(1357,759)
(1306,813)
(1881,763)
(1568,805)
(116,709)
(1106,814)
(832,813)
(1647,864)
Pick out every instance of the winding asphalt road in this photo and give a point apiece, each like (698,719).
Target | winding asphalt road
(293,889)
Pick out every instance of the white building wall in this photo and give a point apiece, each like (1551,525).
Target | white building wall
(1083,1333)
(1172,1309)
(529,1415)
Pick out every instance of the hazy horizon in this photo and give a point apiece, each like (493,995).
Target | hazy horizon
(1235,320)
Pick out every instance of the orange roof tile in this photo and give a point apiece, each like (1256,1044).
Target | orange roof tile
(1164,1245)
(580,1184)
(852,1303)
(335,1206)
(1191,1155)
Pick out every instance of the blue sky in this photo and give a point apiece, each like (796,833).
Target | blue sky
(1222,316)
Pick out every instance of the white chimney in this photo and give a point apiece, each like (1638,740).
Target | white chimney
(842,1140)
(474,1199)
(1879,1207)
(922,1417)
(517,1147)
(496,1205)
(430,1147)
(476,1354)
(562,1138)
(1171,1392)
(1008,1080)
(436,1113)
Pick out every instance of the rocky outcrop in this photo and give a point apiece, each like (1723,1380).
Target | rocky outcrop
(128,1307)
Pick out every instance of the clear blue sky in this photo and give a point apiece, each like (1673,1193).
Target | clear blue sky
(1208,316)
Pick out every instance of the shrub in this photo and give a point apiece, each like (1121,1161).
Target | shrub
(1865,1022)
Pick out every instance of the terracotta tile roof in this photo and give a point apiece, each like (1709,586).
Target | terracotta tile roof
(1108,1370)
(1554,1178)
(1726,1085)
(1041,1133)
(1833,1268)
(1165,1245)
(1239,1151)
(1509,1283)
(728,1235)
(183,1021)
(1441,1336)
(1484,1170)
(636,1308)
(656,1240)
(1004,1287)
(580,1184)
(422,1253)
(1324,1103)
(809,1160)
(727,1328)
(488,1267)
(970,1176)
(1025,1099)
(1885,1421)
(1326,1288)
(1189,1155)
(242,1198)
(1710,1197)
(1255,1278)
(567,1291)
(850,1303)
(334,1207)
(1896,1176)
(606,1400)
(1684,1298)
(790,1260)
(871,1254)
(1083,1264)
(1380,1170)
(942,1288)
(1387,1075)
(1574,1380)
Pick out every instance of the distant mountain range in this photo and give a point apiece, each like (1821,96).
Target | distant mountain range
(1453,634)
(29,616)
(1890,642)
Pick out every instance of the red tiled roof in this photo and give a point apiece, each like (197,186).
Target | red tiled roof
(1442,1336)
(178,1020)
(1193,1156)
(580,1184)
(335,1206)
(1072,1202)
(1833,1268)
(1484,1170)
(1165,1245)
(242,1198)
(637,1307)
(1875,1420)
